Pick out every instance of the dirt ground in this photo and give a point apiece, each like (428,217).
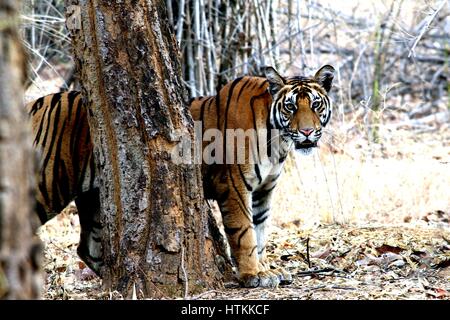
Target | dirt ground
(406,261)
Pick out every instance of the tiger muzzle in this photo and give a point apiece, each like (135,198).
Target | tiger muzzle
(305,144)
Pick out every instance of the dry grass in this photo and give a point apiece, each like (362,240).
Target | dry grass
(405,181)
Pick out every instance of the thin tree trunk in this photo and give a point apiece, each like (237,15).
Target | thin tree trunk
(190,53)
(156,223)
(19,268)
(180,21)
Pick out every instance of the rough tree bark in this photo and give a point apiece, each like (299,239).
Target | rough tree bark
(156,236)
(19,273)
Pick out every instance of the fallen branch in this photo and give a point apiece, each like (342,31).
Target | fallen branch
(318,271)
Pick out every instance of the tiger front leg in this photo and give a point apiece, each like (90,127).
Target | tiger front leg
(237,219)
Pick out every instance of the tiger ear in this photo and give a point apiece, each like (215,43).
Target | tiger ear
(276,82)
(325,77)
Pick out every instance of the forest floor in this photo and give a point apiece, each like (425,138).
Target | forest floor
(406,261)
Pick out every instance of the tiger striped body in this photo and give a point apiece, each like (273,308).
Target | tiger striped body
(296,109)
(67,168)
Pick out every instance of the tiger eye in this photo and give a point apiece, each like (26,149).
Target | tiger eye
(315,104)
(290,107)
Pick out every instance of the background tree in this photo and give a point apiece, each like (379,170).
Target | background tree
(19,275)
(155,217)
(221,40)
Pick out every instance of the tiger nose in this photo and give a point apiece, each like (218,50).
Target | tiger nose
(306,131)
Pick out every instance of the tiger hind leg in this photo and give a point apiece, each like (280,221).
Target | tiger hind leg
(261,211)
(90,247)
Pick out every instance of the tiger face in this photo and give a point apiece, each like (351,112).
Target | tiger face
(300,106)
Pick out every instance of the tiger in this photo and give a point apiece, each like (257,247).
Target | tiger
(297,109)
(61,137)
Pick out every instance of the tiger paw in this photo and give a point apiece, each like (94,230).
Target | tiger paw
(264,279)
(284,276)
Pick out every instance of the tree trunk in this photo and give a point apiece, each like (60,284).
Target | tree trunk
(19,275)
(156,237)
